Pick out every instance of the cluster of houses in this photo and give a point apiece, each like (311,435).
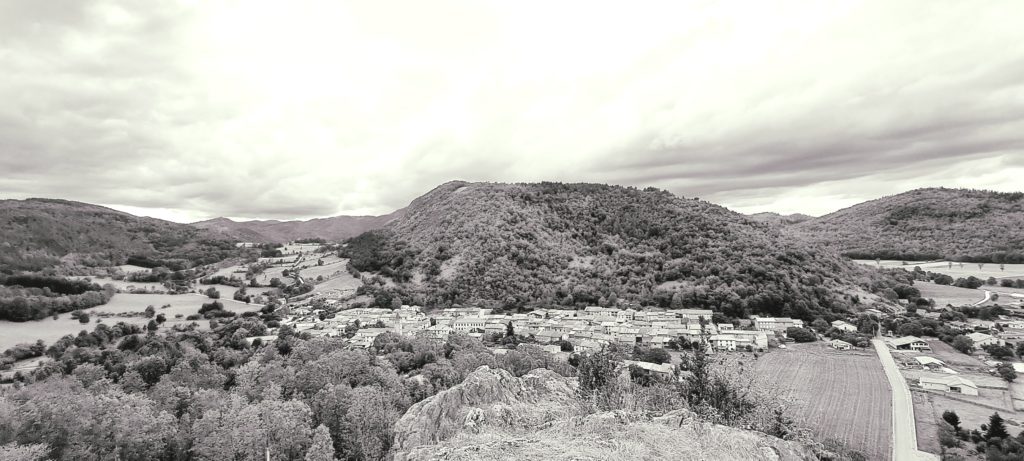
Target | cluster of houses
(588,330)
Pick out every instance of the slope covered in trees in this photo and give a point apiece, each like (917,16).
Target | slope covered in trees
(550,244)
(335,228)
(924,224)
(39,233)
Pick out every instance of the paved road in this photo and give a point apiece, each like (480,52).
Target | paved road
(988,296)
(904,429)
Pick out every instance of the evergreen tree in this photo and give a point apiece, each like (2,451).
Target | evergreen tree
(952,418)
(996,428)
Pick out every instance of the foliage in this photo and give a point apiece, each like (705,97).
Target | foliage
(34,297)
(1006,371)
(963,344)
(801,335)
(953,419)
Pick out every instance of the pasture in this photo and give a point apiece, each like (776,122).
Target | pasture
(49,330)
(838,395)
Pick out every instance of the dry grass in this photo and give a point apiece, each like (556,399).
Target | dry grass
(839,395)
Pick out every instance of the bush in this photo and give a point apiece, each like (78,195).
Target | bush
(83,318)
(801,335)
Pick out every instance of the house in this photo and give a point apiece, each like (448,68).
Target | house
(552,348)
(723,342)
(465,324)
(949,384)
(586,346)
(365,336)
(982,339)
(908,343)
(694,315)
(841,345)
(843,325)
(776,324)
(756,339)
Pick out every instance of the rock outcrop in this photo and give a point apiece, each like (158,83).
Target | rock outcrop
(486,397)
(494,415)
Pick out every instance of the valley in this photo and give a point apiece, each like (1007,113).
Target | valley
(636,297)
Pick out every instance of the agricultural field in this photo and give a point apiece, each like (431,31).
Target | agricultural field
(840,395)
(49,330)
(942,267)
(946,294)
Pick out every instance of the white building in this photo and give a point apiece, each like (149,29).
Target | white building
(949,384)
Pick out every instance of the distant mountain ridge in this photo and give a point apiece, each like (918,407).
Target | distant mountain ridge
(777,219)
(335,228)
(925,224)
(547,244)
(39,233)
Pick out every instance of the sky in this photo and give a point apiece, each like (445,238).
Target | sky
(187,110)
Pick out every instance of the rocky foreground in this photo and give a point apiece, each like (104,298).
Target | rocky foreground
(494,415)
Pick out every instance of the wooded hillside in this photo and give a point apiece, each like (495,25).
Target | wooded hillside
(40,233)
(926,224)
(517,245)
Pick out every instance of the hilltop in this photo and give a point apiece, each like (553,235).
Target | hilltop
(518,245)
(926,224)
(40,233)
(335,228)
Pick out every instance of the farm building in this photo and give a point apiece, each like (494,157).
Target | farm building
(982,339)
(841,345)
(908,343)
(949,384)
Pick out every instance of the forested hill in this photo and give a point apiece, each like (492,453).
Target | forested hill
(335,228)
(924,224)
(40,233)
(550,244)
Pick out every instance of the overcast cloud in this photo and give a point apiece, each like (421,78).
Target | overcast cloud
(269,109)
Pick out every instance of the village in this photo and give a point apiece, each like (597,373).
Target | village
(586,330)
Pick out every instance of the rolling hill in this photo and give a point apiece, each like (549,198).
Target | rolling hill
(336,228)
(925,224)
(40,233)
(516,245)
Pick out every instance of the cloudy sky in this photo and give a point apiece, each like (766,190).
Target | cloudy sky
(268,109)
